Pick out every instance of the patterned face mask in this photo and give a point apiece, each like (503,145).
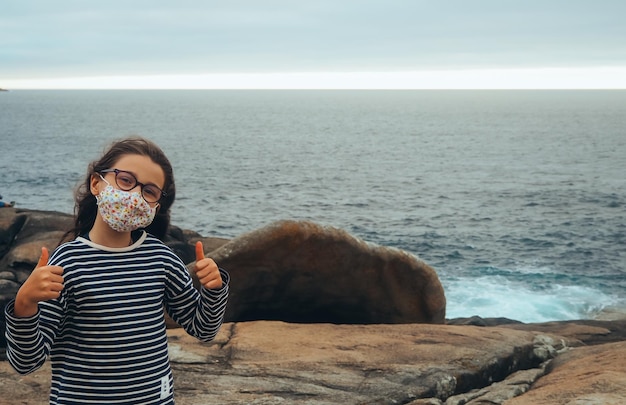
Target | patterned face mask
(124,211)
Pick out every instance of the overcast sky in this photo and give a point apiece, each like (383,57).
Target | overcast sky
(255,39)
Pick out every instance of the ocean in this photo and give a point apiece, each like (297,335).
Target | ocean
(516,198)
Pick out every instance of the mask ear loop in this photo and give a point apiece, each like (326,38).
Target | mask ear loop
(98,195)
(103,179)
(94,189)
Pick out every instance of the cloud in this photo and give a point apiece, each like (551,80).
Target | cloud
(44,39)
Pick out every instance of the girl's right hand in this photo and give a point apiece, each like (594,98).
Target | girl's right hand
(44,283)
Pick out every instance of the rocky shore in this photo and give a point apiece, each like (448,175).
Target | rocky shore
(358,324)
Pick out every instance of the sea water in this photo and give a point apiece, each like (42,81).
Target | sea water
(516,198)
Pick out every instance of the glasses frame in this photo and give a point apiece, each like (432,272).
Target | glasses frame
(137,183)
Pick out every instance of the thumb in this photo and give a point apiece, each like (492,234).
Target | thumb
(43,259)
(199,251)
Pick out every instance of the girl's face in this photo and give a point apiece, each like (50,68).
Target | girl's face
(144,170)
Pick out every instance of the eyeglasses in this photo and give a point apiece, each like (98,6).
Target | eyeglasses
(126,181)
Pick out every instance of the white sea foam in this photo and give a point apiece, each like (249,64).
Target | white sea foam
(493,297)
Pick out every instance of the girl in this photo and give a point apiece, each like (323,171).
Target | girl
(95,306)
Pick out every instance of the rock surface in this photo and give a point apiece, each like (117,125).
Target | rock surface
(319,278)
(587,375)
(271,362)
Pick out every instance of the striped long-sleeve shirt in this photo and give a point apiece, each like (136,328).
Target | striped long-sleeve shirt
(105,334)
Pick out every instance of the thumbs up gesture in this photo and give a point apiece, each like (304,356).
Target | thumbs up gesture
(44,283)
(207,271)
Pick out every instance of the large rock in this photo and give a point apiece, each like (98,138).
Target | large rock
(303,272)
(22,235)
(10,225)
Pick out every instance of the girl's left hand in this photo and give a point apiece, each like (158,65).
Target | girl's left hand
(207,271)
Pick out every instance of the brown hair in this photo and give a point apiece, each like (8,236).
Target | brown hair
(85,208)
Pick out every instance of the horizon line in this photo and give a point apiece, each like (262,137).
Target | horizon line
(575,78)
